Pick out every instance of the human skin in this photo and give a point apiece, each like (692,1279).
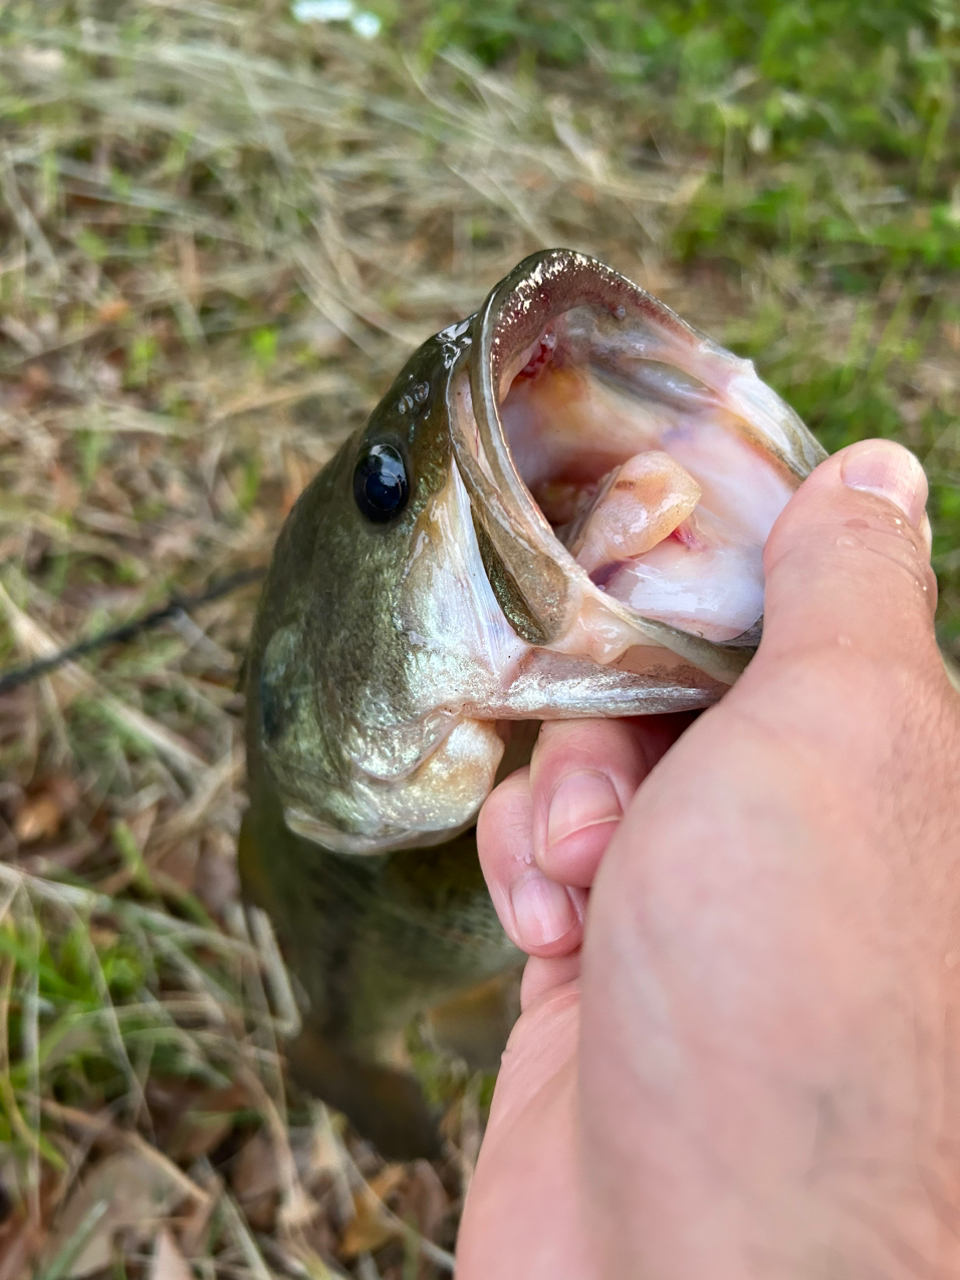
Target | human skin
(751,1068)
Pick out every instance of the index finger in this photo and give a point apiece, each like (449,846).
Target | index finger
(583,774)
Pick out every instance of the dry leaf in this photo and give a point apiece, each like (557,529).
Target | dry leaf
(38,819)
(112,310)
(387,1180)
(371,1225)
(124,1192)
(178,865)
(44,810)
(194,1222)
(168,1263)
(256,1180)
(215,882)
(368,1229)
(423,1199)
(190,1119)
(19,1242)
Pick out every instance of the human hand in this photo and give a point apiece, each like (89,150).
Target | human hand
(753,1067)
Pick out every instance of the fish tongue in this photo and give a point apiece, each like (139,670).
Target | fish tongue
(639,504)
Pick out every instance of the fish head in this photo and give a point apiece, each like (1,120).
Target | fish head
(558,509)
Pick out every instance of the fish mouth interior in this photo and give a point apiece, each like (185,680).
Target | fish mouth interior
(650,474)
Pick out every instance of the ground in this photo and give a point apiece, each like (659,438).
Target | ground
(221,232)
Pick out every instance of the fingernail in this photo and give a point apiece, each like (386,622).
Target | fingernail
(581,800)
(542,909)
(889,471)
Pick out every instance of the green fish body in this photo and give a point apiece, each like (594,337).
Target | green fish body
(557,510)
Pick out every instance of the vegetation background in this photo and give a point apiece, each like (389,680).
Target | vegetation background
(222,228)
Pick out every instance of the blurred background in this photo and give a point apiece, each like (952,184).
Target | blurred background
(223,227)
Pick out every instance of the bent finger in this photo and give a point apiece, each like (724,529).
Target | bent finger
(539,916)
(583,774)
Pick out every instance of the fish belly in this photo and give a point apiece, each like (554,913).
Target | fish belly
(376,942)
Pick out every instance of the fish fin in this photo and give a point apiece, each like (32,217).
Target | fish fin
(475,1024)
(384,1104)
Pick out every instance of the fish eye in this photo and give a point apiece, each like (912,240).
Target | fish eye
(380,486)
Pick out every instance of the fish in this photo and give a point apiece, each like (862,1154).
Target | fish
(557,510)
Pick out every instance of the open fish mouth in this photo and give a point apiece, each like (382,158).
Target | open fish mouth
(598,431)
(558,509)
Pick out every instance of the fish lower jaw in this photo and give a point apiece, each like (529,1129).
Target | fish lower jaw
(423,805)
(334,839)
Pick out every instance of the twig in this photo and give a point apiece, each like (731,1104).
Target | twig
(127,631)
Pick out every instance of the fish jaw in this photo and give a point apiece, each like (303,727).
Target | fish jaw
(575,371)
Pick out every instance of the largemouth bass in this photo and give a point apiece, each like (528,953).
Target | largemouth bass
(558,509)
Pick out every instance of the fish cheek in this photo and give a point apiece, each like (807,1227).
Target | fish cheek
(291,735)
(277,696)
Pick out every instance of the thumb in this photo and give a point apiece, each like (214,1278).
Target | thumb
(848,561)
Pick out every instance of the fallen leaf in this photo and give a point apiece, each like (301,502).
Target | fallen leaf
(216,882)
(371,1225)
(39,819)
(256,1181)
(387,1180)
(193,1222)
(191,1119)
(168,1263)
(368,1229)
(177,867)
(44,810)
(112,310)
(423,1199)
(18,1248)
(124,1192)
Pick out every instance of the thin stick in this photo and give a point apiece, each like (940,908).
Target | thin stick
(127,631)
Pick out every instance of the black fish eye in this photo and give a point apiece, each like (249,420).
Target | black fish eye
(380,486)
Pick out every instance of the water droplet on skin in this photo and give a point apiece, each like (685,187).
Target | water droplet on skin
(848,541)
(421,391)
(620,312)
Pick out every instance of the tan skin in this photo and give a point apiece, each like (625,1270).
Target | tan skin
(751,1067)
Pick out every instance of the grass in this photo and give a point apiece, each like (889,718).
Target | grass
(220,234)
